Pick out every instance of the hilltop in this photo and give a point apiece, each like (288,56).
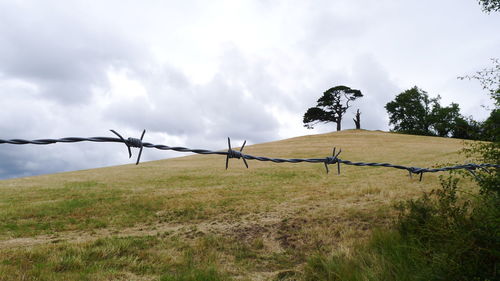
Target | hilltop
(189,215)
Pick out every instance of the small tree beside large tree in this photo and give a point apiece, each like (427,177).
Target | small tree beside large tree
(331,106)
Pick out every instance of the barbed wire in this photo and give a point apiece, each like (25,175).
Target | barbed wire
(230,154)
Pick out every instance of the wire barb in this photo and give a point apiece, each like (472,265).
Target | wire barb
(332,160)
(132,142)
(418,171)
(470,167)
(415,170)
(235,154)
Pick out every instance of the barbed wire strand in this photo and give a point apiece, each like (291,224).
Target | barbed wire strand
(230,154)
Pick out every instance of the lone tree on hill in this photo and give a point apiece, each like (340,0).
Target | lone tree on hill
(331,106)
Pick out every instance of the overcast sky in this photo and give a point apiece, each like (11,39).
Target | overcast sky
(193,73)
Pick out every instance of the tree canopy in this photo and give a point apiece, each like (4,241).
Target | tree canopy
(331,107)
(490,5)
(414,112)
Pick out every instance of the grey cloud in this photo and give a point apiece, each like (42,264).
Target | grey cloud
(170,105)
(329,27)
(235,114)
(26,117)
(373,80)
(231,104)
(174,116)
(29,160)
(61,55)
(253,75)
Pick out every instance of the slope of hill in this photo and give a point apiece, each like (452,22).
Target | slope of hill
(189,218)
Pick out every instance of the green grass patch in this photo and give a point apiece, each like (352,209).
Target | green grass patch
(195,274)
(114,258)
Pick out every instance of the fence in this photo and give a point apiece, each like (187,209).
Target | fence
(230,153)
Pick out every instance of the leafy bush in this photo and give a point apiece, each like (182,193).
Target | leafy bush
(459,237)
(439,236)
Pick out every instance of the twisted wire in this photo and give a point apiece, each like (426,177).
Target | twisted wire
(230,153)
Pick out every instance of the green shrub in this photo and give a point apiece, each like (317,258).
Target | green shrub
(460,237)
(439,236)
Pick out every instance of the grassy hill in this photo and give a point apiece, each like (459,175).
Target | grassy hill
(190,219)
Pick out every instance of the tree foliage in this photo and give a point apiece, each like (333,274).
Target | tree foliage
(468,128)
(490,5)
(414,112)
(444,119)
(331,106)
(410,112)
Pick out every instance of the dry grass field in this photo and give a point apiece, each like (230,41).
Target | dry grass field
(190,219)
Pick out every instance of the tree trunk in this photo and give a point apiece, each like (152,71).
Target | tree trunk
(339,124)
(357,120)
